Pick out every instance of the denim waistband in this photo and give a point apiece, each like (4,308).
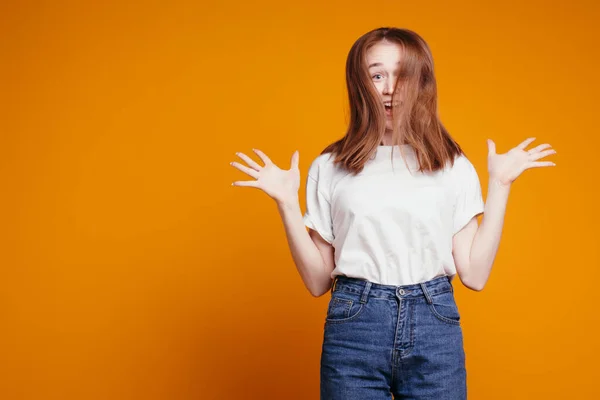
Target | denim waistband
(366,288)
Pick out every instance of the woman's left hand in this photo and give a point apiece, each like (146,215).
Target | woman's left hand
(505,168)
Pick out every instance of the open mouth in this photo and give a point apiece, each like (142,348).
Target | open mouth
(388,108)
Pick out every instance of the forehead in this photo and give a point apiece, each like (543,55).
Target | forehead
(384,54)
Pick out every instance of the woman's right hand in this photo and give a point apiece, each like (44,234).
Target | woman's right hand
(281,185)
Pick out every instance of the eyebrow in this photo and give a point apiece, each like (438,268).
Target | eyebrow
(378,64)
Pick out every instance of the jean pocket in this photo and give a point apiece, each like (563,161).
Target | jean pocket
(444,308)
(343,307)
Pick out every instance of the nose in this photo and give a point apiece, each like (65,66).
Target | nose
(388,86)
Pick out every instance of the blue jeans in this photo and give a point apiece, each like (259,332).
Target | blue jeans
(381,340)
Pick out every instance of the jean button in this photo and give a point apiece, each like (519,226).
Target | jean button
(401,291)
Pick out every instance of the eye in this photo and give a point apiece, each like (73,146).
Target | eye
(374,76)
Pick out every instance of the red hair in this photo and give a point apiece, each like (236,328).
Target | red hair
(415,122)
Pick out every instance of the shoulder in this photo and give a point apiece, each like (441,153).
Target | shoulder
(461,167)
(321,166)
(461,161)
(460,173)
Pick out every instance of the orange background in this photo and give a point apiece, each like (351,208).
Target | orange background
(131,269)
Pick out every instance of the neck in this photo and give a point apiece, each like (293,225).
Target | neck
(387,139)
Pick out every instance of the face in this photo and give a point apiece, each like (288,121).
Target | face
(383,62)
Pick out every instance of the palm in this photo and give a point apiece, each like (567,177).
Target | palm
(506,168)
(279,184)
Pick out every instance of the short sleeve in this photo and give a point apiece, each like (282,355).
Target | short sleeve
(318,203)
(468,197)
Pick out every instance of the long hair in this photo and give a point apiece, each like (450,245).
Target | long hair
(415,120)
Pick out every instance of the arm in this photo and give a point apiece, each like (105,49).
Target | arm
(475,247)
(312,255)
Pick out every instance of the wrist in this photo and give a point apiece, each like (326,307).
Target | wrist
(288,202)
(498,188)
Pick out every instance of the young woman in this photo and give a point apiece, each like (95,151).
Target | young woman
(391,212)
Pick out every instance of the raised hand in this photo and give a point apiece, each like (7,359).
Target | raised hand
(281,185)
(505,168)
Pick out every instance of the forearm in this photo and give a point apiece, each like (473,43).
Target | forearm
(487,238)
(306,255)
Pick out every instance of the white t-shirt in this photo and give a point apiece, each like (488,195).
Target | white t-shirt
(387,225)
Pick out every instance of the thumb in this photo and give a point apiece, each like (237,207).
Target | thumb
(295,159)
(491,147)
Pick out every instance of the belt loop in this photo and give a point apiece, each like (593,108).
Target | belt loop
(427,296)
(365,293)
(333,284)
